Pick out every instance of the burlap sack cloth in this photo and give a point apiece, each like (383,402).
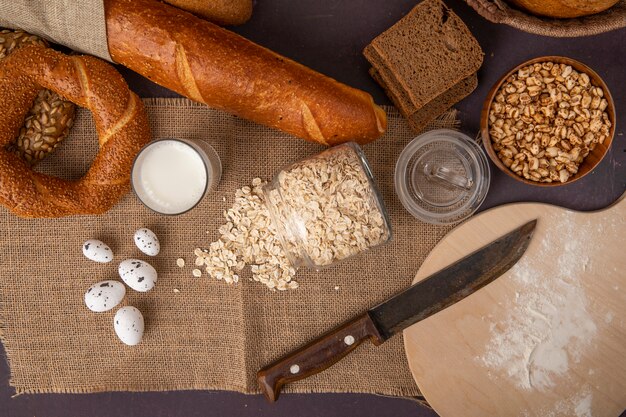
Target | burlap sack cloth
(499,11)
(210,335)
(77,24)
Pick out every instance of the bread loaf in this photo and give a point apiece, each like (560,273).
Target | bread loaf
(211,65)
(225,12)
(564,8)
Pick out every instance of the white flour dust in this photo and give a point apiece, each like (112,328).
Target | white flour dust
(577,405)
(583,406)
(547,326)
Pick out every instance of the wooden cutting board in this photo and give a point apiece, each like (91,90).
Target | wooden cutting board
(548,338)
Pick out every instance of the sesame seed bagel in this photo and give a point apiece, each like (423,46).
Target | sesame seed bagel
(120,120)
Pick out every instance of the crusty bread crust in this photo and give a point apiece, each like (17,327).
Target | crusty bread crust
(120,120)
(564,8)
(223,12)
(211,65)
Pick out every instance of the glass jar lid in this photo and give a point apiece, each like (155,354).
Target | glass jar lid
(442,176)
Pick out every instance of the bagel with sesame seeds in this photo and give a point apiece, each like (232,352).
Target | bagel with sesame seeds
(120,120)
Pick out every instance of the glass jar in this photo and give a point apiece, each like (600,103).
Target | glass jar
(327,208)
(442,177)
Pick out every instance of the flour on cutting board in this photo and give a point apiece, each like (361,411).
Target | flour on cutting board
(547,326)
(577,405)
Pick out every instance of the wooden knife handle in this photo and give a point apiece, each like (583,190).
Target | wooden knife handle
(317,355)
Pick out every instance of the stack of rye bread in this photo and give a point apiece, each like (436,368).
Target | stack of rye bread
(426,62)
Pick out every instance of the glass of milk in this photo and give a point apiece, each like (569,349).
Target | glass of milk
(171,176)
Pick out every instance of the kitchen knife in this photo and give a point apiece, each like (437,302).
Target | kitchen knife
(414,304)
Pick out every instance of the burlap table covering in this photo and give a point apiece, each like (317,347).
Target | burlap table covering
(210,335)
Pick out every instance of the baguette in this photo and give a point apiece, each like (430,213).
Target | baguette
(224,12)
(211,65)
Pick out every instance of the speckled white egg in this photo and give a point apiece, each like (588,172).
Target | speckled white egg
(104,295)
(147,242)
(128,324)
(138,275)
(98,251)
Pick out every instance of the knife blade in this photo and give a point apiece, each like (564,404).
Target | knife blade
(418,302)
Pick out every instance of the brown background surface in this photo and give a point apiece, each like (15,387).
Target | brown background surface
(328,36)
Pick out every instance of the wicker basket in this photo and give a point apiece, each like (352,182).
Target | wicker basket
(498,11)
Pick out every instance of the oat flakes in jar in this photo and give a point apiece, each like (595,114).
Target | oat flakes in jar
(326,208)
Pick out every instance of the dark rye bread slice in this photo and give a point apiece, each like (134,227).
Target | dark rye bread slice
(420,118)
(401,98)
(428,51)
(443,102)
(392,86)
(394,90)
(459,91)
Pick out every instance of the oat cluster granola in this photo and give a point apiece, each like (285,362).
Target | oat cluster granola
(546,119)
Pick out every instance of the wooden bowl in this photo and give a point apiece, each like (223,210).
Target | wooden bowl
(594,157)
